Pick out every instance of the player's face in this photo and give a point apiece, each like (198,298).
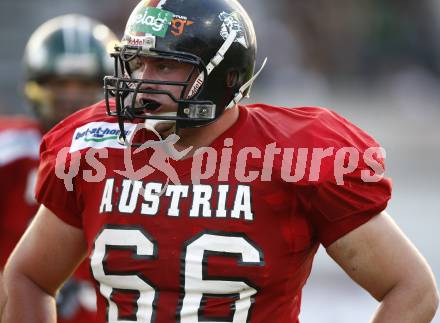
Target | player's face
(67,95)
(158,69)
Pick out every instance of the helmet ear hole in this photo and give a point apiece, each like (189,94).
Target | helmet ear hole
(232,79)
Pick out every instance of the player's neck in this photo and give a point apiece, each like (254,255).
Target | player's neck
(204,136)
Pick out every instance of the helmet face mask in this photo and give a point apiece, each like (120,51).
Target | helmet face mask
(216,38)
(129,89)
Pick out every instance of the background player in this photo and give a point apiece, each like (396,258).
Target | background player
(65,61)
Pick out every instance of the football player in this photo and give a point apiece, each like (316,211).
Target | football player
(225,233)
(65,61)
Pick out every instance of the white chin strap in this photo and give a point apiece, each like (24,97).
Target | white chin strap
(240,94)
(151,124)
(215,61)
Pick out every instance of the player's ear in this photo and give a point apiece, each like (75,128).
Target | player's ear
(232,78)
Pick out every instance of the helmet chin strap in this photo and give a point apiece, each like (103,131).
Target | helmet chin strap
(215,61)
(150,124)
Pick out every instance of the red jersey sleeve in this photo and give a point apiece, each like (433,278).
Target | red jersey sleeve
(51,189)
(339,204)
(338,209)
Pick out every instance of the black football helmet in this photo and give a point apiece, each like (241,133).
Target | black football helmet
(216,37)
(68,48)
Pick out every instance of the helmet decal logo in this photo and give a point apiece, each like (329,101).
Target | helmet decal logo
(178,25)
(151,3)
(134,40)
(161,3)
(153,21)
(232,22)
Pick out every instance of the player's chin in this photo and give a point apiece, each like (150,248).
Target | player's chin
(166,128)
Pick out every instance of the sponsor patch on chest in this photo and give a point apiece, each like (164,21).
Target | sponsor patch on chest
(99,135)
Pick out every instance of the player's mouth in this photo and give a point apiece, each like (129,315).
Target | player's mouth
(144,106)
(148,106)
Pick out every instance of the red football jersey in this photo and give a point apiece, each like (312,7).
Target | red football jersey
(20,139)
(19,142)
(228,235)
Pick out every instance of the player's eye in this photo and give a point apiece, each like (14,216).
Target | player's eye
(166,66)
(163,67)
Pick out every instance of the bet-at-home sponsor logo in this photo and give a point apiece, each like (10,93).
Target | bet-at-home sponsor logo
(150,20)
(99,135)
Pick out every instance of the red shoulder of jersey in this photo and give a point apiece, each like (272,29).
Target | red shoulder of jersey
(88,127)
(342,184)
(18,123)
(307,127)
(19,139)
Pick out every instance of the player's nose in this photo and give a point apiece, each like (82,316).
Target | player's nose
(149,79)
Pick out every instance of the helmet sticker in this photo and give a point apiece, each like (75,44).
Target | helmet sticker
(134,40)
(232,22)
(161,3)
(148,20)
(178,25)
